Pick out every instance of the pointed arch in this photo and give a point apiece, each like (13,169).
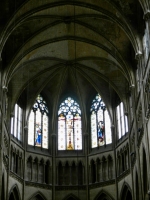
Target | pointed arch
(37,196)
(126,193)
(103,195)
(71,197)
(38,124)
(69,125)
(100,123)
(14,193)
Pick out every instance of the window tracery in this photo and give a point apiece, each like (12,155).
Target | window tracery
(38,124)
(100,123)
(122,121)
(69,125)
(16,122)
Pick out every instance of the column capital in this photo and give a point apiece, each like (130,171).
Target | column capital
(112,126)
(85,134)
(5,89)
(147,15)
(53,135)
(138,55)
(26,128)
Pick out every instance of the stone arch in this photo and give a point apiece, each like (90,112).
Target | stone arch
(103,195)
(37,196)
(126,193)
(71,197)
(14,193)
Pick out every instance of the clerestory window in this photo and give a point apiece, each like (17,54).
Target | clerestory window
(38,124)
(69,125)
(122,121)
(16,122)
(100,123)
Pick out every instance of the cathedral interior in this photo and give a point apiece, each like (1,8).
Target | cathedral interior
(74,100)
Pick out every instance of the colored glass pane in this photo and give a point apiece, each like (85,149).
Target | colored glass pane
(69,125)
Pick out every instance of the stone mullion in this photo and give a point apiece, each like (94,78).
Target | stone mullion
(96,171)
(48,173)
(107,172)
(43,172)
(99,172)
(108,169)
(118,170)
(102,177)
(12,161)
(31,170)
(19,166)
(57,178)
(77,175)
(90,174)
(38,163)
(63,175)
(14,168)
(83,174)
(70,175)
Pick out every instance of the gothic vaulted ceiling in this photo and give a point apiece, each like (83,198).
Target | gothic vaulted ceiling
(76,47)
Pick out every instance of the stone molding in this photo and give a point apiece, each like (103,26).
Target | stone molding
(38,185)
(123,175)
(15,176)
(71,187)
(102,184)
(147,16)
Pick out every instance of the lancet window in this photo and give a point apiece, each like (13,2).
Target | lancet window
(38,124)
(69,125)
(100,123)
(122,121)
(16,122)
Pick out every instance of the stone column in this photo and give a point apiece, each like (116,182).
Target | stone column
(90,174)
(83,174)
(12,160)
(43,172)
(70,175)
(96,171)
(76,174)
(53,164)
(31,170)
(38,163)
(63,166)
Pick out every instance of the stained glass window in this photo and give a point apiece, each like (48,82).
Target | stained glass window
(38,124)
(16,122)
(122,121)
(100,123)
(69,125)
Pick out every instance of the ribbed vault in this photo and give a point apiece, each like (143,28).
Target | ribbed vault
(71,47)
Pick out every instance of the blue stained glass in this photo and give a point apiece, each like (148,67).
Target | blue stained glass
(69,126)
(38,124)
(99,118)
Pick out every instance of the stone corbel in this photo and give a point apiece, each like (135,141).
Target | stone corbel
(138,55)
(147,15)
